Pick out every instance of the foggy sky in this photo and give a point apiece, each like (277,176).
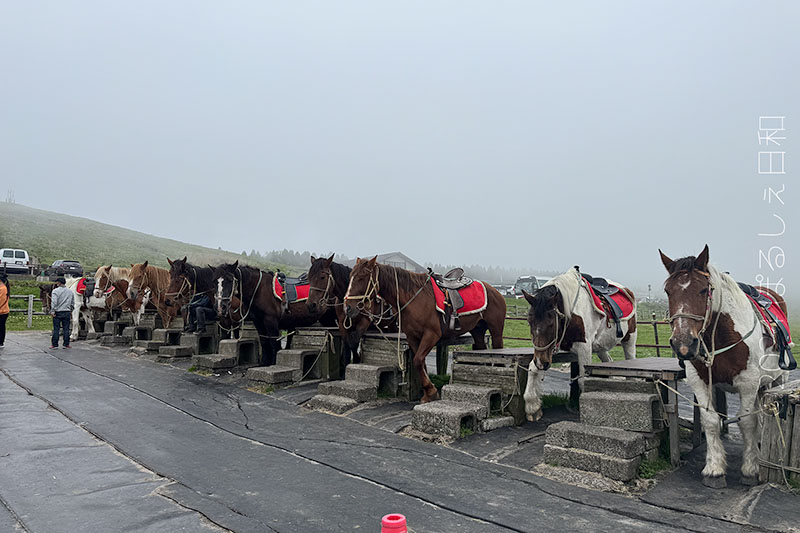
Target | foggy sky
(515,133)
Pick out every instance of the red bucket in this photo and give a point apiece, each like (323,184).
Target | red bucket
(393,523)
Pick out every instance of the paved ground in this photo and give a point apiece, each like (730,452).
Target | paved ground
(94,440)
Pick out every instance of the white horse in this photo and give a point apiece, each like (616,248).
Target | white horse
(715,326)
(83,306)
(564,317)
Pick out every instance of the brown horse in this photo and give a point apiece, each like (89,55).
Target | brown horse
(144,277)
(418,317)
(258,303)
(329,282)
(105,277)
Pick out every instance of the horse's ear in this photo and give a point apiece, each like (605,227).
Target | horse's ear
(236,264)
(528,296)
(184,258)
(372,261)
(329,260)
(169,261)
(132,265)
(701,263)
(144,265)
(313,259)
(666,260)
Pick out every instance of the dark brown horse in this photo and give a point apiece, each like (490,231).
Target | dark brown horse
(329,282)
(258,303)
(418,317)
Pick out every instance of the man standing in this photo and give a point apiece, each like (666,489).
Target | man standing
(62,302)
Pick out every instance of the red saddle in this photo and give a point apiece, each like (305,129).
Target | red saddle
(620,297)
(474,296)
(300,291)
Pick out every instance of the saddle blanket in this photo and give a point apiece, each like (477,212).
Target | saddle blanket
(772,313)
(301,290)
(620,297)
(80,288)
(474,296)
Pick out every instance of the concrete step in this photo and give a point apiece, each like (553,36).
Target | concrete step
(489,398)
(384,378)
(446,417)
(115,340)
(608,441)
(595,384)
(150,346)
(272,375)
(214,361)
(296,358)
(95,335)
(624,410)
(330,403)
(142,333)
(167,353)
(129,331)
(115,327)
(355,390)
(611,467)
(497,422)
(200,343)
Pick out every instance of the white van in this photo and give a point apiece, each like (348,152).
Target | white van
(16,261)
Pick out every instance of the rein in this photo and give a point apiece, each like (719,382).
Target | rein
(556,342)
(325,298)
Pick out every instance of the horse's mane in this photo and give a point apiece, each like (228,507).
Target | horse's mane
(721,280)
(114,273)
(541,301)
(568,284)
(203,276)
(405,279)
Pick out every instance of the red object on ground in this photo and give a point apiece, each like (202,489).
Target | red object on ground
(393,523)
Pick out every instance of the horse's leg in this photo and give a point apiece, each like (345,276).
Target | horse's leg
(479,336)
(75,323)
(496,331)
(533,393)
(748,424)
(714,471)
(629,340)
(603,355)
(425,345)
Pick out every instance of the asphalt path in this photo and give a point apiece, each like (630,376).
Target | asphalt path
(92,439)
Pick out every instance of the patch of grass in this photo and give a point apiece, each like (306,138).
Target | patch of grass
(384,394)
(466,431)
(439,380)
(794,484)
(199,371)
(649,469)
(262,389)
(554,400)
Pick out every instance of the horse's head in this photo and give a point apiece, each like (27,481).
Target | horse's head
(548,323)
(102,280)
(320,279)
(363,287)
(138,279)
(179,285)
(45,294)
(689,294)
(227,280)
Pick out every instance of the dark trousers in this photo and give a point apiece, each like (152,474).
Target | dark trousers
(3,319)
(198,317)
(61,321)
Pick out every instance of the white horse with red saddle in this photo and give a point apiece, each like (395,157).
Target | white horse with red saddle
(568,315)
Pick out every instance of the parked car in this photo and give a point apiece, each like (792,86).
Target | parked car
(62,267)
(15,261)
(526,283)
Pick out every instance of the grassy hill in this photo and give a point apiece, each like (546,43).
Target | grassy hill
(49,236)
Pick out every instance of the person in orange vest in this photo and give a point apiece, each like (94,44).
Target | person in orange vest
(5,290)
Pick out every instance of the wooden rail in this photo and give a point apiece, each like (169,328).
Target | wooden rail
(29,310)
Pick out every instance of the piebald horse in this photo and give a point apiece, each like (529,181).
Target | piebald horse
(562,317)
(82,305)
(715,327)
(144,278)
(419,318)
(106,275)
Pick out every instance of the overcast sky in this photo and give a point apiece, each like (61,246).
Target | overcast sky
(540,134)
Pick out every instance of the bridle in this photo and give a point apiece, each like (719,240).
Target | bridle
(554,344)
(325,299)
(372,293)
(236,284)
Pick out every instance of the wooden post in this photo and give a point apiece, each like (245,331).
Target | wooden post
(441,359)
(655,332)
(30,311)
(574,384)
(672,416)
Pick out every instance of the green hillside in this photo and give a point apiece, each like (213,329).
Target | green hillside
(49,236)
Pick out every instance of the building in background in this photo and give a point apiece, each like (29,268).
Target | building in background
(395,259)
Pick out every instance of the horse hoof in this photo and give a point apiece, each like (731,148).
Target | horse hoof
(715,482)
(535,416)
(749,481)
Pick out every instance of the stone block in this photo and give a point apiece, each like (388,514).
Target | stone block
(624,410)
(272,375)
(129,331)
(333,404)
(596,384)
(490,424)
(214,361)
(200,343)
(384,378)
(115,340)
(244,350)
(572,458)
(305,360)
(489,398)
(170,352)
(150,346)
(142,333)
(445,418)
(93,335)
(355,390)
(620,469)
(609,441)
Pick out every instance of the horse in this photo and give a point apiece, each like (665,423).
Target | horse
(715,329)
(412,300)
(258,303)
(564,317)
(105,276)
(328,284)
(144,277)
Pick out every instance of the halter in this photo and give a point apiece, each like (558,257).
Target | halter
(372,293)
(237,283)
(324,298)
(554,344)
(372,290)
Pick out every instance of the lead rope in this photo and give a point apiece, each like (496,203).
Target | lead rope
(400,359)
